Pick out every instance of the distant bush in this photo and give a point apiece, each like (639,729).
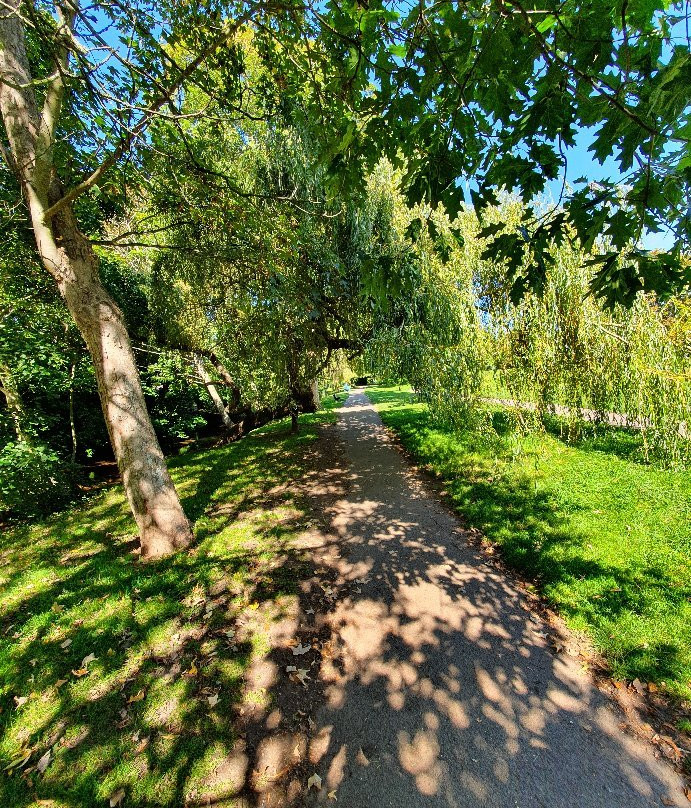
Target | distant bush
(34,480)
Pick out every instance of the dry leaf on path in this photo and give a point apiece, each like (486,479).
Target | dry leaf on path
(362,758)
(332,795)
(316,781)
(301,649)
(301,674)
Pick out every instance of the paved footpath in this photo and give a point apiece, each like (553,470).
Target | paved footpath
(448,692)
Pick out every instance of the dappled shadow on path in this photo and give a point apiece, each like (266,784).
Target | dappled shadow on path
(420,677)
(441,686)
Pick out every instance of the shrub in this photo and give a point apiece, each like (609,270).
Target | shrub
(34,480)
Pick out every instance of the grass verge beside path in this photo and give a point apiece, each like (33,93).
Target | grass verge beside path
(607,540)
(123,679)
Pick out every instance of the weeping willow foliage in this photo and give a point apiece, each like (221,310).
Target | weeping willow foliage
(563,349)
(432,336)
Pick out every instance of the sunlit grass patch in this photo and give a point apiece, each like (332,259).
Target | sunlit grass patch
(606,538)
(130,676)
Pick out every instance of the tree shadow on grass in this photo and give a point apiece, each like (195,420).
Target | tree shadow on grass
(146,677)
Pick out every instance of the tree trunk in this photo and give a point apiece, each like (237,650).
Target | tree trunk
(316,401)
(69,257)
(294,423)
(163,526)
(213,392)
(14,401)
(73,428)
(226,378)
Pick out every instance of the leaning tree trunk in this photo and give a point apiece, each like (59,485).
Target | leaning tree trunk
(163,526)
(213,392)
(69,257)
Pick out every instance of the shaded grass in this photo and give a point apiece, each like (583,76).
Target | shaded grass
(607,540)
(140,718)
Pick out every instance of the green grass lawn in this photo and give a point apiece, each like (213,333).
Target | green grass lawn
(155,710)
(606,539)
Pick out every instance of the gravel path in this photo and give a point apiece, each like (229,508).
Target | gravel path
(445,690)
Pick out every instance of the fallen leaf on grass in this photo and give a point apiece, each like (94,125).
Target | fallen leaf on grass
(80,672)
(213,700)
(138,697)
(87,659)
(57,607)
(65,645)
(316,781)
(60,682)
(44,762)
(192,671)
(20,700)
(20,762)
(141,746)
(117,798)
(301,649)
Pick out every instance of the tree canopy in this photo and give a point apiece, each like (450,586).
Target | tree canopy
(236,200)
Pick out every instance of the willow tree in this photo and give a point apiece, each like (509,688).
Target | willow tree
(494,91)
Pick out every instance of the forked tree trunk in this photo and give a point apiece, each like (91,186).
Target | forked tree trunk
(69,258)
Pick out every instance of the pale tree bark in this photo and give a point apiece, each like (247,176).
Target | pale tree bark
(15,408)
(316,400)
(73,426)
(69,258)
(212,391)
(225,377)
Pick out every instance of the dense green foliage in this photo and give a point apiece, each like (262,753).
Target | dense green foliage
(605,538)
